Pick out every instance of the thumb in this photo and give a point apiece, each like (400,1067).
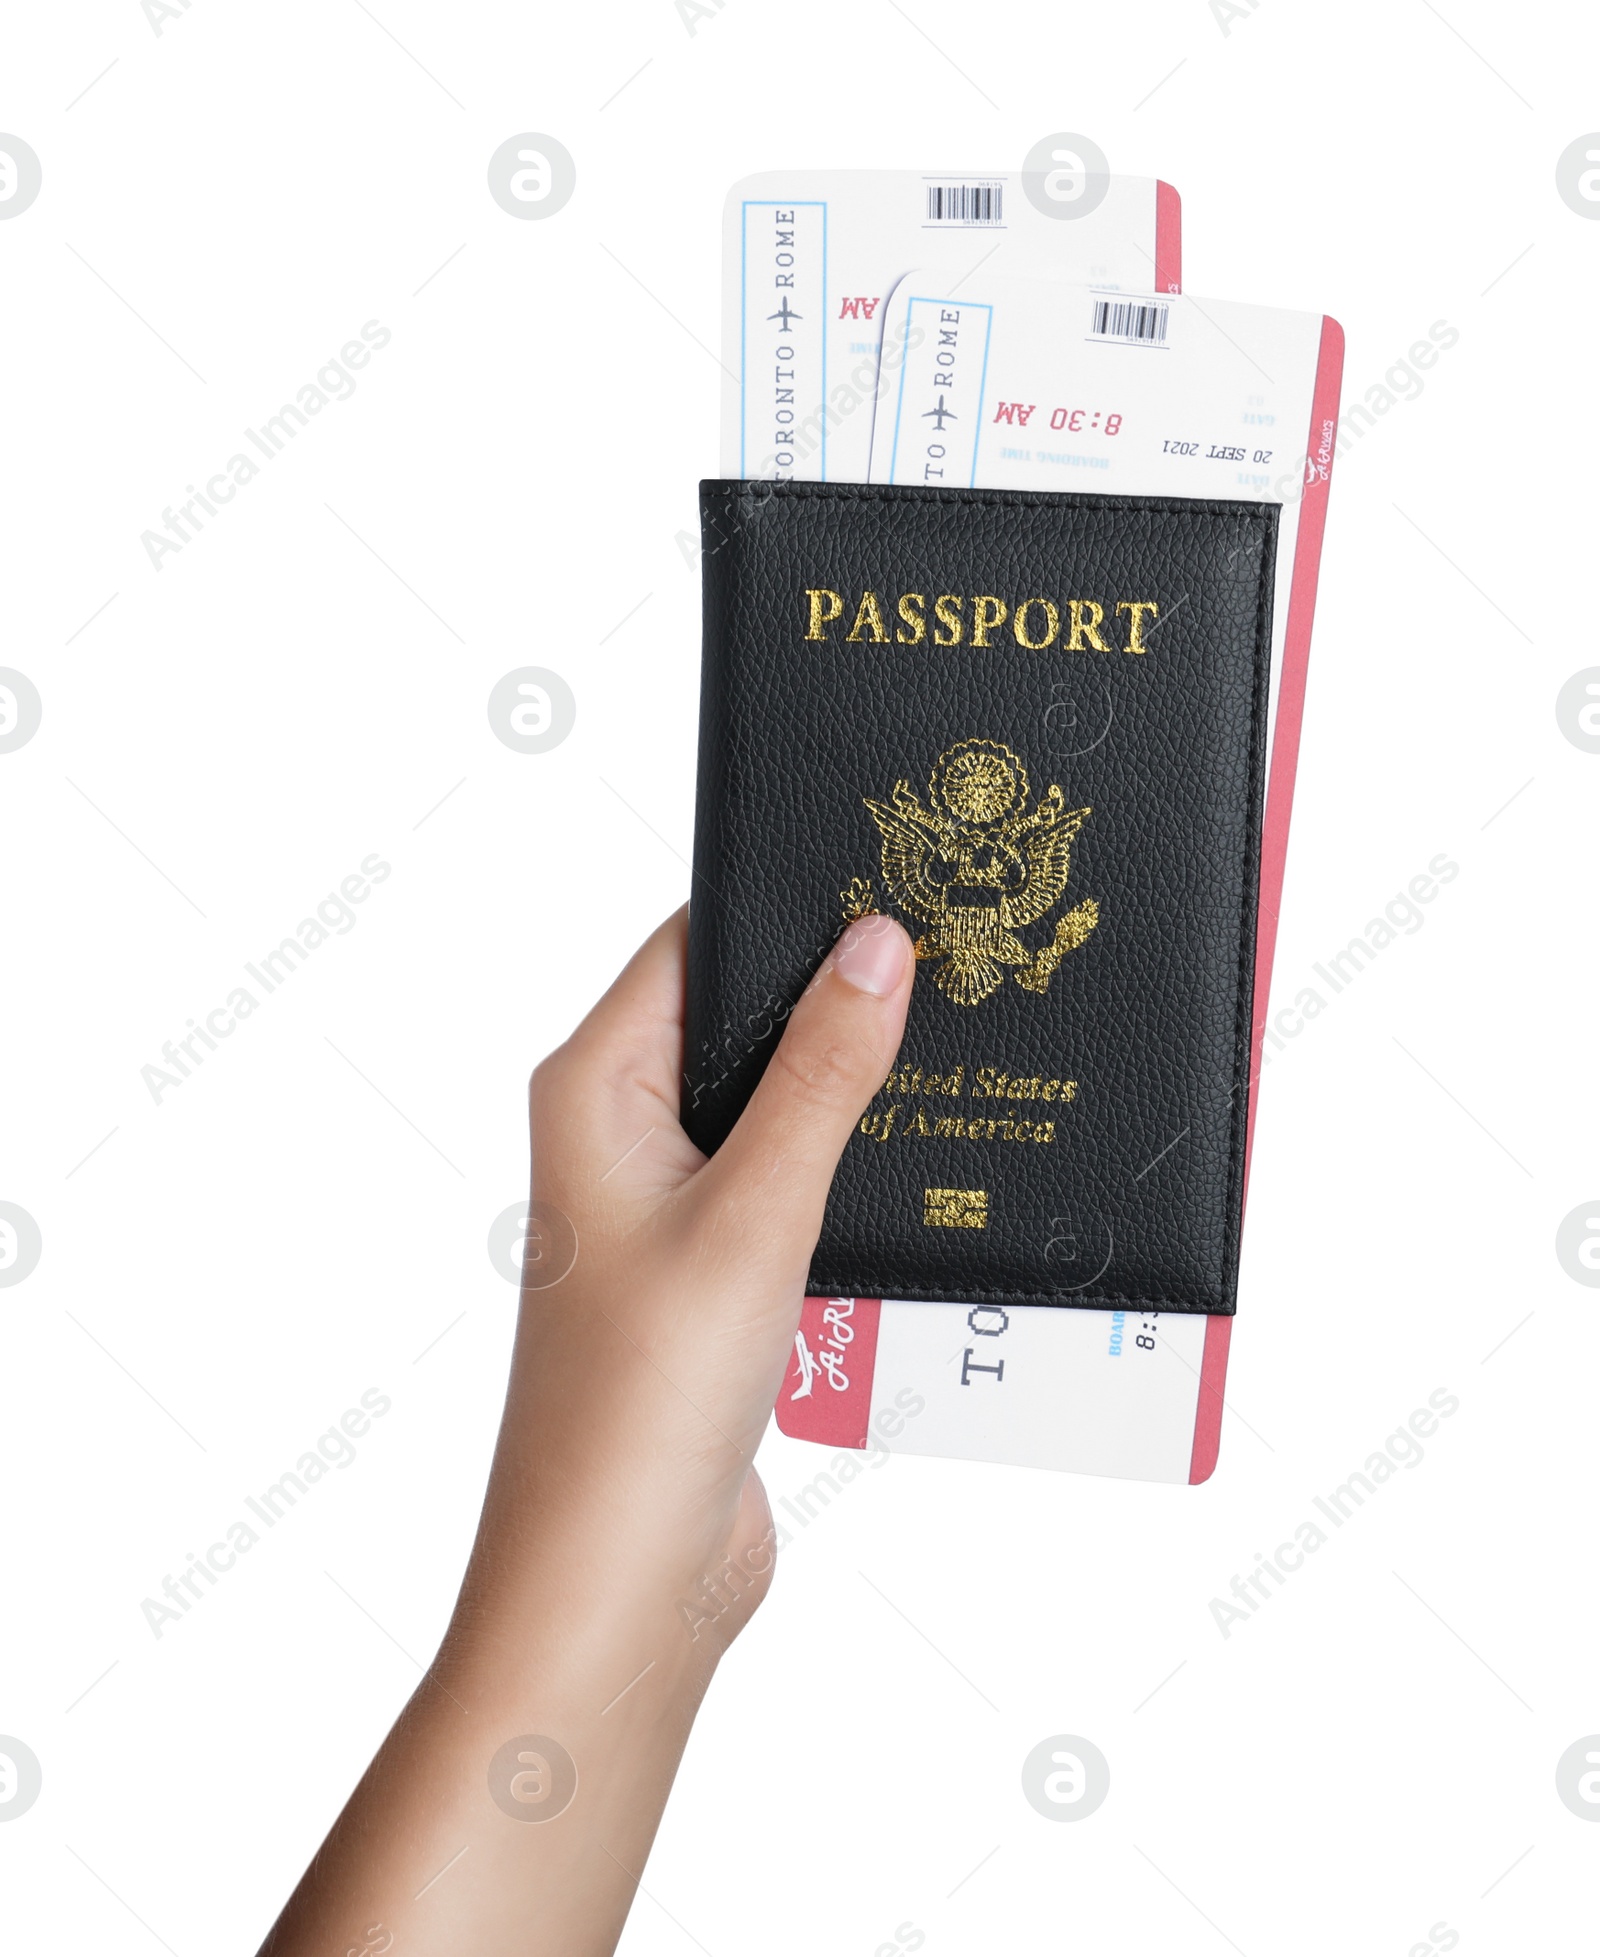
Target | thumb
(775,1168)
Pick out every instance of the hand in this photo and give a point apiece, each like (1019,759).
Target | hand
(625,1536)
(643,1381)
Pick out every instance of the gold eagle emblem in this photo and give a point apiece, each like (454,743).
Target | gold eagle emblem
(976,865)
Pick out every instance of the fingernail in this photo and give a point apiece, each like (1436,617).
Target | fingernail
(871,956)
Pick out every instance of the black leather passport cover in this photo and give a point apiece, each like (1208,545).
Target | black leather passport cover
(1032,728)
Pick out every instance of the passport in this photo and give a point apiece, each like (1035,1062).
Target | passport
(1032,727)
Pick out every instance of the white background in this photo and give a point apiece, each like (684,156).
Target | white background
(306,1218)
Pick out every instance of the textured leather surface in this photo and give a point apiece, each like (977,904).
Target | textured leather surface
(1135,981)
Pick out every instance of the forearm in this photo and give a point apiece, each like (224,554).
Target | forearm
(456,1838)
(625,1538)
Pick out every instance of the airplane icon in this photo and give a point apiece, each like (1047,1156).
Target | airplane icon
(940,415)
(784,316)
(808,1368)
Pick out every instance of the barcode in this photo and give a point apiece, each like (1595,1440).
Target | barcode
(1130,319)
(964,203)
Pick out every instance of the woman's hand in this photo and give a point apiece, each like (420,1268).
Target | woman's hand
(625,1536)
